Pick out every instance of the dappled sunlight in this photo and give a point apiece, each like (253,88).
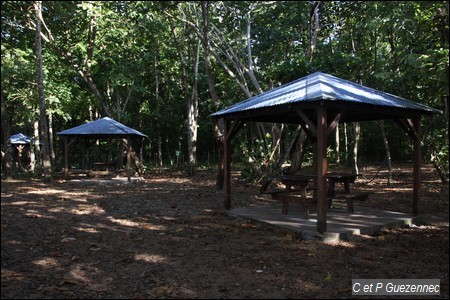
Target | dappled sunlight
(22,202)
(46,262)
(13,242)
(343,244)
(171,238)
(150,258)
(87,210)
(167,180)
(129,223)
(88,229)
(46,192)
(11,275)
(89,276)
(32,213)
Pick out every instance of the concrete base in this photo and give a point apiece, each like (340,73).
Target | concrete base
(115,180)
(340,224)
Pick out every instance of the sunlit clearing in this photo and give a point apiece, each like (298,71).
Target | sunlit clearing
(151,258)
(46,262)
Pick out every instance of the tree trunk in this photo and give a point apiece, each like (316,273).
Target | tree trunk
(192,113)
(36,155)
(338,144)
(40,83)
(313,28)
(356,135)
(6,132)
(51,141)
(218,127)
(297,152)
(388,152)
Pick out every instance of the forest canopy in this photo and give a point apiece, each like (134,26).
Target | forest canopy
(162,67)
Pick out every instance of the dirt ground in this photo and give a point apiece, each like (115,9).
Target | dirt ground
(168,237)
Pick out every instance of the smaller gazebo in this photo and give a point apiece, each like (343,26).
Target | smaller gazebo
(104,128)
(20,139)
(21,143)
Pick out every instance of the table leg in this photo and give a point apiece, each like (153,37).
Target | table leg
(305,202)
(347,186)
(285,207)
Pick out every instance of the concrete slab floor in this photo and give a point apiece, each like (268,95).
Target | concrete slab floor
(340,224)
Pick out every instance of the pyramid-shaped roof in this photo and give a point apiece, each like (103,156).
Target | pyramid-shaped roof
(359,102)
(104,127)
(20,139)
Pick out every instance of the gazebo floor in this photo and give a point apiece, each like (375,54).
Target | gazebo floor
(114,180)
(340,224)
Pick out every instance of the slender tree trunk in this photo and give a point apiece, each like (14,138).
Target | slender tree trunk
(388,152)
(159,161)
(192,113)
(313,28)
(40,83)
(356,135)
(338,144)
(218,126)
(36,160)
(32,151)
(51,141)
(6,132)
(297,152)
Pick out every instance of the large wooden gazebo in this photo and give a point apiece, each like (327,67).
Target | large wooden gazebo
(319,102)
(104,128)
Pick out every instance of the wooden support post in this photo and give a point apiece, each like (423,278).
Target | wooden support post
(141,171)
(227,164)
(322,164)
(412,128)
(128,158)
(417,165)
(66,158)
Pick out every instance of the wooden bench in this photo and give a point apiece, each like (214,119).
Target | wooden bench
(349,198)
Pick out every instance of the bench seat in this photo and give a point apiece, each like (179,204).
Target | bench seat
(285,198)
(349,198)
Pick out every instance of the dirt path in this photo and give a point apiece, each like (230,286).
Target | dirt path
(168,237)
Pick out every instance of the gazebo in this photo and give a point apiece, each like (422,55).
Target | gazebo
(104,128)
(20,139)
(20,142)
(319,102)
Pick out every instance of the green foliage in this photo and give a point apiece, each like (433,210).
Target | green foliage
(252,155)
(399,47)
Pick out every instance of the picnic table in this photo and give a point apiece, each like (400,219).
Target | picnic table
(301,183)
(344,178)
(103,166)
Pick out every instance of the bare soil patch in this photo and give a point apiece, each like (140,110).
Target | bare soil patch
(168,237)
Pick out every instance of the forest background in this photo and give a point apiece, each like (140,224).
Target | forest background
(163,67)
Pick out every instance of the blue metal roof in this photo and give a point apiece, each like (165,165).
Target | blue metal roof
(20,138)
(102,127)
(321,86)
